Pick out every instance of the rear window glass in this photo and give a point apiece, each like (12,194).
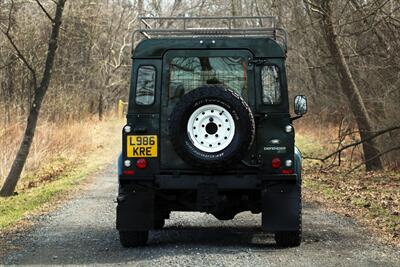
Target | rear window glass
(146,85)
(188,73)
(271,85)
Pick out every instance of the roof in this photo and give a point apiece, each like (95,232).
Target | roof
(258,46)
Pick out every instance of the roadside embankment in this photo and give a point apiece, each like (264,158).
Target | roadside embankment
(372,198)
(63,155)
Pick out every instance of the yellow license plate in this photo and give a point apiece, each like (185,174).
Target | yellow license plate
(142,146)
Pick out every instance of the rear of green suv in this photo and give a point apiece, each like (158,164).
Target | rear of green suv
(209,130)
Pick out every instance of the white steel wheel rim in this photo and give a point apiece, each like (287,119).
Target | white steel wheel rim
(211,128)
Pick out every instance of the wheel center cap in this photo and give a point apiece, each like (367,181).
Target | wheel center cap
(211,128)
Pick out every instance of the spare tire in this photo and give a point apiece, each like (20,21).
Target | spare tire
(212,127)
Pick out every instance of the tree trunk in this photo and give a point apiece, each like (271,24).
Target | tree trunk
(234,12)
(40,91)
(100,108)
(140,8)
(350,89)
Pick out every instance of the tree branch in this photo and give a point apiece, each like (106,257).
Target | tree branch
(380,154)
(376,134)
(17,50)
(314,7)
(45,11)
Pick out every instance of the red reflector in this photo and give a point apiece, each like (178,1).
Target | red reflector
(287,171)
(276,163)
(141,163)
(129,172)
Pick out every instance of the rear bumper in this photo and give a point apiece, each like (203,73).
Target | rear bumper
(222,182)
(277,197)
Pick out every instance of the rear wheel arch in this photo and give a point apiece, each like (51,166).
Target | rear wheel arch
(119,164)
(297,163)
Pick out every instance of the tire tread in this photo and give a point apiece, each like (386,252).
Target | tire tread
(130,239)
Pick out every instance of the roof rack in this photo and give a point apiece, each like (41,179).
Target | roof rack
(175,27)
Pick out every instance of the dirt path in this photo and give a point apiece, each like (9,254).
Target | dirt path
(82,232)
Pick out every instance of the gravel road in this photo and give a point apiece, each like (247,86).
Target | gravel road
(82,232)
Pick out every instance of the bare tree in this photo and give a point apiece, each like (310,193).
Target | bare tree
(40,91)
(348,85)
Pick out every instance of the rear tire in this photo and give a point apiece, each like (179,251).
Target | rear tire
(130,239)
(288,238)
(159,224)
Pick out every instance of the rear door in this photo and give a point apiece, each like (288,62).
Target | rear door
(273,140)
(186,70)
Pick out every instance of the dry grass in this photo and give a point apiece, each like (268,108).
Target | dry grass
(329,134)
(326,137)
(63,156)
(55,146)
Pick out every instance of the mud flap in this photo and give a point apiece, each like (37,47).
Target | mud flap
(281,206)
(135,210)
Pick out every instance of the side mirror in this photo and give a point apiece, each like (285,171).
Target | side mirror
(300,105)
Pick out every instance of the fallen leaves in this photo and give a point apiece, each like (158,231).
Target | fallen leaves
(371,198)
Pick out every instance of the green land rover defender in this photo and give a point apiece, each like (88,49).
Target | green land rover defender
(208,127)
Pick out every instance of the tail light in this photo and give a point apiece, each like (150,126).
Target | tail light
(276,163)
(128,172)
(141,163)
(289,171)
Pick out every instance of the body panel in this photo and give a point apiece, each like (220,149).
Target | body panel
(260,47)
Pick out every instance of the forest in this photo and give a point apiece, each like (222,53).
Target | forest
(65,66)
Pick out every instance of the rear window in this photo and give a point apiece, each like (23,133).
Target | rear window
(271,85)
(188,73)
(146,85)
